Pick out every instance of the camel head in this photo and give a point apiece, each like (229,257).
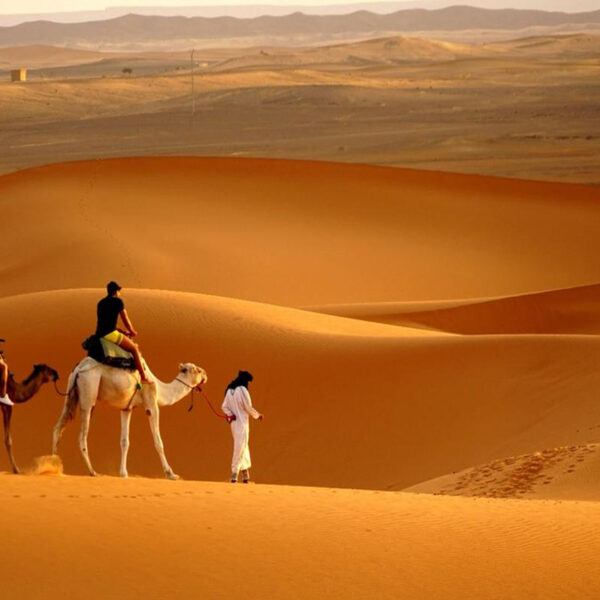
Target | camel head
(195,376)
(47,373)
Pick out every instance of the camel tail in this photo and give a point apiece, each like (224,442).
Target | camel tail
(72,400)
(68,412)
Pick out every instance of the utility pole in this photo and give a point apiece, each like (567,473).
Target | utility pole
(193,96)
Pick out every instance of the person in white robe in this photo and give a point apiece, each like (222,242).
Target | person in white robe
(237,405)
(4,399)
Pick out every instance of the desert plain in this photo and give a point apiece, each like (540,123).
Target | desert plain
(524,108)
(424,338)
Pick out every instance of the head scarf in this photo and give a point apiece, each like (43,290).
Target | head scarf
(243,379)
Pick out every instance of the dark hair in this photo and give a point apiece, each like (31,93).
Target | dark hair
(112,287)
(243,379)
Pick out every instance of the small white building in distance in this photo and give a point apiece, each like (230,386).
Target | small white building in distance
(18,75)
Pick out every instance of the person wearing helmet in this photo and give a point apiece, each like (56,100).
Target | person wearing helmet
(238,408)
(109,310)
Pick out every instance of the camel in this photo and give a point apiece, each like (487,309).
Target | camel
(19,393)
(92,382)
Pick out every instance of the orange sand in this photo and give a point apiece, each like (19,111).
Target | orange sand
(570,310)
(294,233)
(216,256)
(155,539)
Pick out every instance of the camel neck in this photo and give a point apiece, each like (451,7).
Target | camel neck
(27,388)
(171,393)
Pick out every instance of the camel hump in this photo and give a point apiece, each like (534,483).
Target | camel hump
(86,364)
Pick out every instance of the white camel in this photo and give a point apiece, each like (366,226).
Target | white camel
(92,382)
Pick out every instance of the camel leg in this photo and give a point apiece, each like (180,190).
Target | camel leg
(158,443)
(125,422)
(59,428)
(6,417)
(83,437)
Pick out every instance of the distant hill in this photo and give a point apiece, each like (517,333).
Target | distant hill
(248,11)
(57,62)
(131,29)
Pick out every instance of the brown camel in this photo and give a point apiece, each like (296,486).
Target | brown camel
(20,392)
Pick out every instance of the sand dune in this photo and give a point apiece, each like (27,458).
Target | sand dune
(402,396)
(159,539)
(37,56)
(572,310)
(382,407)
(363,53)
(563,473)
(377,51)
(256,229)
(551,46)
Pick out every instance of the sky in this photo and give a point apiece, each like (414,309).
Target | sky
(53,6)
(50,6)
(8,7)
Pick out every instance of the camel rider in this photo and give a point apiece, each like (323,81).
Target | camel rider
(238,407)
(109,310)
(4,399)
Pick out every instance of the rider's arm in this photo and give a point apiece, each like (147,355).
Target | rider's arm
(128,324)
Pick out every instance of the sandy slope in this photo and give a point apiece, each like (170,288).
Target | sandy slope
(257,229)
(155,539)
(571,310)
(564,472)
(378,405)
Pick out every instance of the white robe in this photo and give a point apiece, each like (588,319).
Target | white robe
(238,402)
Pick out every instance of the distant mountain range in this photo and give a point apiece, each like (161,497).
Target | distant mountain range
(131,29)
(247,11)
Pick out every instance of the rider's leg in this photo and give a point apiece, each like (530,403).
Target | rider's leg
(132,347)
(3,378)
(4,399)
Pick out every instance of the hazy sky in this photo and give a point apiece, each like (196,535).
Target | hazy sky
(8,7)
(47,6)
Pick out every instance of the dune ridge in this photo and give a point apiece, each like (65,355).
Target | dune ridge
(229,221)
(570,310)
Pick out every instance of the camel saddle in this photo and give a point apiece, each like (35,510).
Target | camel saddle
(107,353)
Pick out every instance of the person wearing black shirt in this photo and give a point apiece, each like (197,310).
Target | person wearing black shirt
(109,310)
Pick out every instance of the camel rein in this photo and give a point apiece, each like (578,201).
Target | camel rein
(197,388)
(64,394)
